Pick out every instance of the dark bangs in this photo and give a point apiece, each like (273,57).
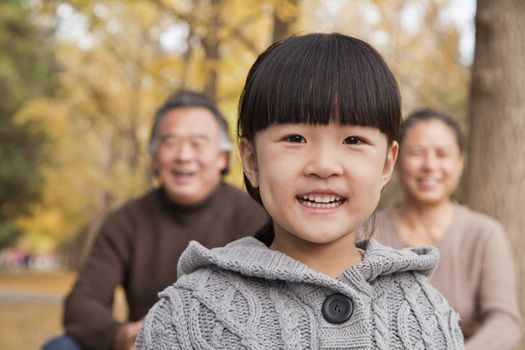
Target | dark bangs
(318,79)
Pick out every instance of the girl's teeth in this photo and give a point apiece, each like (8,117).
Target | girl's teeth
(321,205)
(328,201)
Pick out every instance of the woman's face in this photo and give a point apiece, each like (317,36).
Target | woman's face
(430,162)
(318,183)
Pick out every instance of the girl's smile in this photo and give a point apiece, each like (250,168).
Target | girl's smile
(321,201)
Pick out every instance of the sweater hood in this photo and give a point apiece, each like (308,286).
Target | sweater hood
(250,257)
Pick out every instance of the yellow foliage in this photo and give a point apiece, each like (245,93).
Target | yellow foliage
(44,229)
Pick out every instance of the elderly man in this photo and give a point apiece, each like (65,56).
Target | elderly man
(139,245)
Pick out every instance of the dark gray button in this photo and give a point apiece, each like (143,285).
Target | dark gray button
(337,308)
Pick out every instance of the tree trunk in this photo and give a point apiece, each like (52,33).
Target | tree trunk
(284,22)
(495,178)
(211,44)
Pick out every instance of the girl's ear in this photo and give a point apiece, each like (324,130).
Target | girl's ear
(249,161)
(390,162)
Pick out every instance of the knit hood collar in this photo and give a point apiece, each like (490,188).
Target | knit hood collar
(251,258)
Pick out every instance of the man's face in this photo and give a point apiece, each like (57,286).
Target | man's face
(188,158)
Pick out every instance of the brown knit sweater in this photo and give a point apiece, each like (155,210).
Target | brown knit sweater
(475,274)
(138,247)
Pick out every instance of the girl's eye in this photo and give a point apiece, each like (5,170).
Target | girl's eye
(352,140)
(295,139)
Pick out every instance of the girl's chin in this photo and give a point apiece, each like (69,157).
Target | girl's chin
(314,238)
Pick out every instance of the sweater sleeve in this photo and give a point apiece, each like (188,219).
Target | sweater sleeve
(88,308)
(501,323)
(165,326)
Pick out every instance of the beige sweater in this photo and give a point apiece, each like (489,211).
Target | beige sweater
(475,274)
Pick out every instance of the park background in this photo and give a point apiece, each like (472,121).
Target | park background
(80,81)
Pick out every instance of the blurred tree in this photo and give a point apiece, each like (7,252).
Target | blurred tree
(495,177)
(114,73)
(25,72)
(125,59)
(285,18)
(120,59)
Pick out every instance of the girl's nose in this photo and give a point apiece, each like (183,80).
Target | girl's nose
(324,163)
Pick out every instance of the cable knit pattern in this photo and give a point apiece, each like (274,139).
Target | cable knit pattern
(246,296)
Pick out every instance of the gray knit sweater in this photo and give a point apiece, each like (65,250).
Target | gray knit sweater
(246,296)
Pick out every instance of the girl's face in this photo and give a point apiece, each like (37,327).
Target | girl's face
(430,163)
(318,183)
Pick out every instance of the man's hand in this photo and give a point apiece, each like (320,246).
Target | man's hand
(125,336)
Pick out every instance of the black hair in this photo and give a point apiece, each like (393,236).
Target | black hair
(318,79)
(185,99)
(428,115)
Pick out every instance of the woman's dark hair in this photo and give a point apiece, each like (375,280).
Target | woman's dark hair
(428,115)
(188,99)
(318,79)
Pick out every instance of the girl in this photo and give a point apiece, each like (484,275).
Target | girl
(319,119)
(480,285)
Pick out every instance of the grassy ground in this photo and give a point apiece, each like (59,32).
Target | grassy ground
(31,307)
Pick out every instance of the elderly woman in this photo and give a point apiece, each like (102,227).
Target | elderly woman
(476,271)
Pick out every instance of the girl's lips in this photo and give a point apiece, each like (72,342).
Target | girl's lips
(320,198)
(321,201)
(320,193)
(321,206)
